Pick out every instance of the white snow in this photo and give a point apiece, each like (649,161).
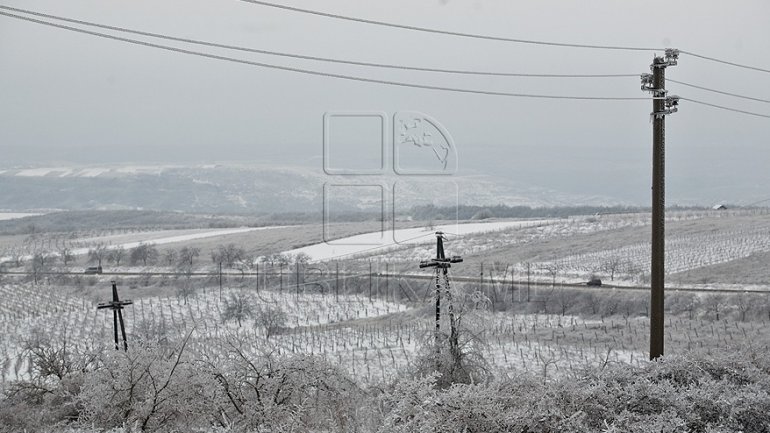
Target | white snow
(92,172)
(148,239)
(43,171)
(13,215)
(374,241)
(188,237)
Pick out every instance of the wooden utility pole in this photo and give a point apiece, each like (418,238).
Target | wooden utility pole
(116,305)
(481,277)
(220,281)
(441,263)
(387,282)
(529,268)
(662,105)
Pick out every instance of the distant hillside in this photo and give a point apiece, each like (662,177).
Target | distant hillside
(228,189)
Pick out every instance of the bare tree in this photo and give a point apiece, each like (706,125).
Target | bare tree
(186,288)
(170,256)
(98,254)
(116,255)
(714,304)
(612,266)
(610,304)
(271,319)
(66,255)
(238,307)
(744,303)
(590,301)
(38,266)
(187,255)
(143,253)
(228,255)
(564,298)
(276,259)
(302,258)
(547,359)
(553,271)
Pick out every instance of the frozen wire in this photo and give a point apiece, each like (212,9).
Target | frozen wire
(448,32)
(751,98)
(314,58)
(325,74)
(714,59)
(722,107)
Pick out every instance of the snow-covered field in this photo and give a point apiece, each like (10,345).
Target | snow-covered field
(4,216)
(162,237)
(169,236)
(28,310)
(379,242)
(87,171)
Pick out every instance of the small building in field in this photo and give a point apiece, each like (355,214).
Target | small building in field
(719,206)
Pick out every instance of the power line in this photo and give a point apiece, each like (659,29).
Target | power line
(314,58)
(720,91)
(323,74)
(447,32)
(714,59)
(722,107)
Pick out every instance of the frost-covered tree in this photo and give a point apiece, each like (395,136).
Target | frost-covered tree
(238,307)
(270,319)
(145,253)
(151,388)
(116,255)
(98,254)
(66,255)
(455,349)
(187,256)
(228,255)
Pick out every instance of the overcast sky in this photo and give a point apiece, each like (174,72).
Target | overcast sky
(67,97)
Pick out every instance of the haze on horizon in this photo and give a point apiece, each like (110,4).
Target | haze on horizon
(69,98)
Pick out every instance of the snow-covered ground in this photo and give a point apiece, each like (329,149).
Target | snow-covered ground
(157,238)
(15,215)
(377,241)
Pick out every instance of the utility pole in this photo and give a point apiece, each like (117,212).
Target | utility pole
(442,264)
(528,272)
(662,105)
(387,282)
(220,281)
(481,277)
(116,305)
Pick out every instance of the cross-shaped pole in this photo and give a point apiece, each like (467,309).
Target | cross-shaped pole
(116,305)
(442,264)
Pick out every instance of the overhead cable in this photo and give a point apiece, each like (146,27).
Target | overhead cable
(314,58)
(324,74)
(714,59)
(722,107)
(721,92)
(447,32)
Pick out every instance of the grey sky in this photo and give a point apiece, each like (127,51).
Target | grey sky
(71,97)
